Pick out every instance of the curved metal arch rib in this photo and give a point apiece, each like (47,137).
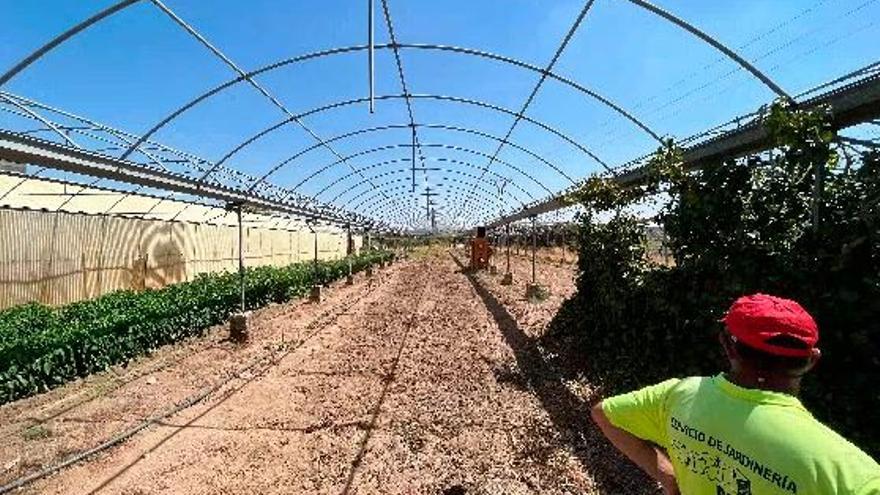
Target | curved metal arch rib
(486,196)
(542,125)
(401,160)
(379,208)
(376,208)
(486,155)
(61,38)
(372,198)
(374,201)
(398,213)
(552,75)
(367,130)
(423,145)
(232,82)
(715,44)
(407,170)
(357,48)
(454,99)
(495,138)
(23,64)
(440,185)
(401,170)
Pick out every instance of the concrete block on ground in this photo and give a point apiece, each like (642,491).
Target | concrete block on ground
(238,327)
(536,292)
(315,294)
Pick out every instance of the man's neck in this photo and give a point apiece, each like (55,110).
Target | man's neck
(766,381)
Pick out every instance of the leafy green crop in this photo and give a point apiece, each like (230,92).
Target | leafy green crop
(43,347)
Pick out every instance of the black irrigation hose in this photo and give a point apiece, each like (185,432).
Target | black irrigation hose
(189,402)
(117,385)
(388,379)
(124,435)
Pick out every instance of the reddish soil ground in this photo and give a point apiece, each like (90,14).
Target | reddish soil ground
(422,379)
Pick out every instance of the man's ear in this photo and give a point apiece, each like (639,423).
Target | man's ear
(730,352)
(815,355)
(725,344)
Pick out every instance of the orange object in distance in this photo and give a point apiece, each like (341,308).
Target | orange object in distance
(481,251)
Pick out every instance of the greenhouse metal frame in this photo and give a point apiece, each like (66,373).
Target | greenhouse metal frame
(375,200)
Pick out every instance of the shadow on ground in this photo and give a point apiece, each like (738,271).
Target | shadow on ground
(569,414)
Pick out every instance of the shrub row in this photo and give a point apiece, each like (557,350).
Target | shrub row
(734,228)
(43,347)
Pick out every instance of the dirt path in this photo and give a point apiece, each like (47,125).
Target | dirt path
(423,381)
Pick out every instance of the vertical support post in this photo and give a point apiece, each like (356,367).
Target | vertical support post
(315,295)
(508,277)
(316,253)
(507,242)
(413,162)
(371,56)
(817,194)
(664,246)
(349,247)
(534,248)
(563,243)
(241,275)
(238,322)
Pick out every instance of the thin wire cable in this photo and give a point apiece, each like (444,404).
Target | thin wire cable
(263,91)
(406,94)
(561,48)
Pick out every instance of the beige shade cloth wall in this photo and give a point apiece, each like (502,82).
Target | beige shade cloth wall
(61,257)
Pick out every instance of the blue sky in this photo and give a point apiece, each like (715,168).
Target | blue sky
(137,66)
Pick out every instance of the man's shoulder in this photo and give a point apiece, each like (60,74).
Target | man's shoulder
(826,442)
(687,386)
(834,459)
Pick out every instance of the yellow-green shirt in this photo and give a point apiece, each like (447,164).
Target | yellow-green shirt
(728,440)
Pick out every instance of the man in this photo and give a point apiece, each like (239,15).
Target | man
(742,432)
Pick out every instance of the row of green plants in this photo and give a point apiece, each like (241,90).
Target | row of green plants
(42,347)
(801,221)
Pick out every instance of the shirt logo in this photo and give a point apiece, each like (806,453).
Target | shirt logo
(720,463)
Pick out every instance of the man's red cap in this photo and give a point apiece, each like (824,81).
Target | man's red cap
(755,319)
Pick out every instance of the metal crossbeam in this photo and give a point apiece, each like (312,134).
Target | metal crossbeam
(850,105)
(25,149)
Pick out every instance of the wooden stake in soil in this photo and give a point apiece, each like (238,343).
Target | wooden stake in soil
(536,293)
(315,294)
(238,327)
(508,277)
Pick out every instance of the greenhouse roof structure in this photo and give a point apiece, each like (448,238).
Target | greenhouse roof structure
(401,116)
